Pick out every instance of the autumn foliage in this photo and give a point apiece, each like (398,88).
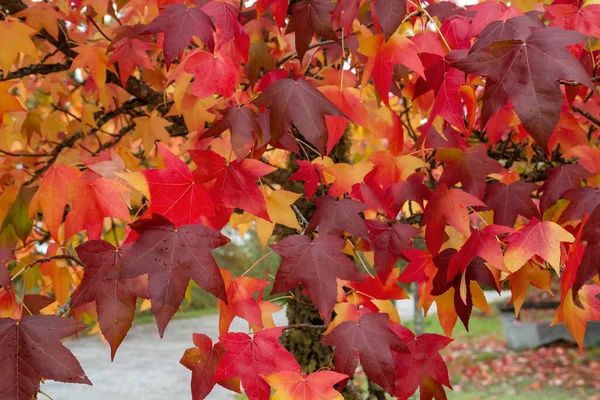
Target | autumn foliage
(133,131)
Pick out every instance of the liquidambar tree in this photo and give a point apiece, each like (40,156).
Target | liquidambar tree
(342,132)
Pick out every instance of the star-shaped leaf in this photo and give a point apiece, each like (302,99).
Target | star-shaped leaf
(308,18)
(583,200)
(315,264)
(115,304)
(510,201)
(482,243)
(470,168)
(30,350)
(372,341)
(251,358)
(298,102)
(214,73)
(240,302)
(150,129)
(560,179)
(384,56)
(244,126)
(93,198)
(422,360)
(175,194)
(233,182)
(463,297)
(202,360)
(130,53)
(523,64)
(179,23)
(309,173)
(334,217)
(171,257)
(447,206)
(294,385)
(388,14)
(537,238)
(389,242)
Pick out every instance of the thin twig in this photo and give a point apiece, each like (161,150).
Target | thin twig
(305,326)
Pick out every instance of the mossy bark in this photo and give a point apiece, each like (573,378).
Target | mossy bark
(305,343)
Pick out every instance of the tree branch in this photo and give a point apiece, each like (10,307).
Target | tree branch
(587,115)
(36,69)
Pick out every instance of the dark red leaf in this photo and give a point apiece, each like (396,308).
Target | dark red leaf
(179,23)
(30,350)
(334,217)
(508,202)
(316,265)
(298,102)
(250,358)
(370,340)
(171,257)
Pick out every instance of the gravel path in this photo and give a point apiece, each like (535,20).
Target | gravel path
(148,368)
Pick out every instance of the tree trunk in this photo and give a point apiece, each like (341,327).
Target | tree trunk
(305,343)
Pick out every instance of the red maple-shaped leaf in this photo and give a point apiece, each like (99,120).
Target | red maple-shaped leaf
(244,125)
(214,73)
(536,238)
(315,264)
(334,217)
(412,189)
(30,350)
(583,200)
(309,173)
(384,56)
(298,102)
(447,206)
(310,17)
(240,302)
(129,53)
(251,358)
(470,168)
(370,193)
(202,360)
(423,360)
(93,198)
(523,64)
(171,257)
(294,385)
(445,81)
(179,23)
(344,13)
(373,342)
(575,15)
(560,179)
(388,242)
(482,243)
(510,201)
(115,304)
(420,266)
(233,182)
(463,300)
(388,14)
(175,194)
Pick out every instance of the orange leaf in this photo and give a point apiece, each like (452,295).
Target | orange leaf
(537,238)
(294,385)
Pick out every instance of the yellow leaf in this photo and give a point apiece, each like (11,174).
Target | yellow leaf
(42,16)
(151,129)
(279,204)
(15,38)
(93,58)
